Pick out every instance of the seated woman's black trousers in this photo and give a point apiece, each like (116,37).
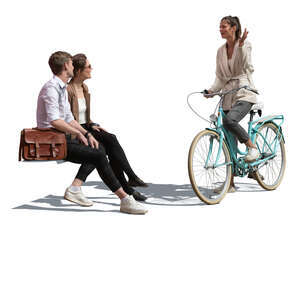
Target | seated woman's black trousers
(116,163)
(81,154)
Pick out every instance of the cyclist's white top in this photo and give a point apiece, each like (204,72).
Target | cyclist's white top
(237,74)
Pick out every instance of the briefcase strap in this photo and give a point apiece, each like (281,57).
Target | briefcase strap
(53,150)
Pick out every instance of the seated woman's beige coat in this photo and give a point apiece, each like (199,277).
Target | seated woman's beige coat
(234,73)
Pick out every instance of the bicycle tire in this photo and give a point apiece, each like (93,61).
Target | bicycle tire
(264,176)
(209,196)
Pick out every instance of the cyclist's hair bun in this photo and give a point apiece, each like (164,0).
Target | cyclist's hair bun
(234,21)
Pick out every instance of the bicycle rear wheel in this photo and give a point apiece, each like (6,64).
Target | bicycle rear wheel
(209,182)
(269,175)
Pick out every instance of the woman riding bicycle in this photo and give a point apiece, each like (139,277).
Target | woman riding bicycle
(234,69)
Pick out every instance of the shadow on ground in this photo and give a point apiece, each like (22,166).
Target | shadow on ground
(158,194)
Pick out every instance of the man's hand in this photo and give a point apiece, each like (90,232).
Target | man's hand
(82,138)
(98,128)
(93,142)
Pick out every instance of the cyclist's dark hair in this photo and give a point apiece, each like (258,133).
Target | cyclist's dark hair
(234,21)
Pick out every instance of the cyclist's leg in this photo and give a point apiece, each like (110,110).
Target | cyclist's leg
(234,116)
(231,123)
(234,138)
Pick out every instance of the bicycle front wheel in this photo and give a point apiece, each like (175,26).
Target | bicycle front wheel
(269,141)
(209,166)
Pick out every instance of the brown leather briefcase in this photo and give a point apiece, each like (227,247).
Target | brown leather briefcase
(42,144)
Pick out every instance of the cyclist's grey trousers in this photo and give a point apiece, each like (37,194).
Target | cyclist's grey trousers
(234,116)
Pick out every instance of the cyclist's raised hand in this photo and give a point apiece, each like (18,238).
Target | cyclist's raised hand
(242,39)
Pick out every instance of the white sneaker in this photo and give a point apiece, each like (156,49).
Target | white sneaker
(252,155)
(130,206)
(77,197)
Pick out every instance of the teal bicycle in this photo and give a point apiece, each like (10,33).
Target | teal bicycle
(214,156)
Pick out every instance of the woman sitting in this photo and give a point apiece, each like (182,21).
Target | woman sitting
(79,99)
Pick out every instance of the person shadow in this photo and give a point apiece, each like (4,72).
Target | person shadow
(157,194)
(162,194)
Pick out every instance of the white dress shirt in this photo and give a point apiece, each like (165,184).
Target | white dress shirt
(53,103)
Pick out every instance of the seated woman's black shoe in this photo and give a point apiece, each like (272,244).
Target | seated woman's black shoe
(137,182)
(138,196)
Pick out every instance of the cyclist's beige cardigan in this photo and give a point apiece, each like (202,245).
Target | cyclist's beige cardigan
(234,73)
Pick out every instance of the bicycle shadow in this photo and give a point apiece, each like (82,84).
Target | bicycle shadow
(248,187)
(158,194)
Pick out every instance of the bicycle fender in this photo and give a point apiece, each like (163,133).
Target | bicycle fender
(218,132)
(279,128)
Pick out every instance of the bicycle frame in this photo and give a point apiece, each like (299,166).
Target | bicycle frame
(240,167)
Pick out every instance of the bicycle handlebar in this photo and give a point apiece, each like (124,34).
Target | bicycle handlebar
(219,94)
(205,92)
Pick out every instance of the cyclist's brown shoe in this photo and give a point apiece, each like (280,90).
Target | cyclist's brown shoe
(252,175)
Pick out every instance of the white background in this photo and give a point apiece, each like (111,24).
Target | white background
(146,57)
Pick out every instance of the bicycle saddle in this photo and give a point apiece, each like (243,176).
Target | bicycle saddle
(256,108)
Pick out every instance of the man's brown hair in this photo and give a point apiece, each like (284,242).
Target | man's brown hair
(57,61)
